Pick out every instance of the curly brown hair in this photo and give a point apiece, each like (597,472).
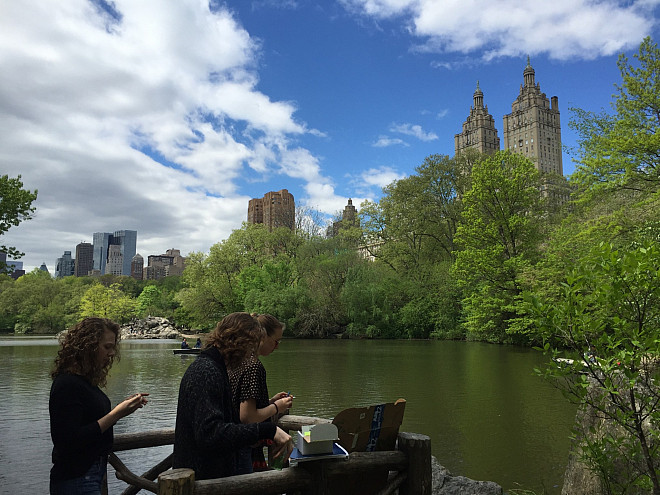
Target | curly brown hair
(237,336)
(78,348)
(269,323)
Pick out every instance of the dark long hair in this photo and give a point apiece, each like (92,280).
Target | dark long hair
(237,336)
(78,348)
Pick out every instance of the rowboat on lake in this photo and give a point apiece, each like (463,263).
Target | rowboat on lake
(190,350)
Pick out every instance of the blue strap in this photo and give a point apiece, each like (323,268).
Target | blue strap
(376,423)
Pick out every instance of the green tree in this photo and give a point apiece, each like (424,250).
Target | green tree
(609,307)
(107,302)
(148,301)
(623,149)
(323,266)
(40,304)
(272,288)
(413,225)
(213,283)
(371,296)
(499,234)
(15,207)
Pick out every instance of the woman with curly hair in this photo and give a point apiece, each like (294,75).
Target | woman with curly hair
(250,392)
(81,417)
(209,433)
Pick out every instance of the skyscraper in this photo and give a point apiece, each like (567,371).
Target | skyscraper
(64,266)
(127,242)
(479,130)
(84,259)
(115,260)
(532,128)
(164,265)
(348,219)
(101,242)
(275,209)
(137,267)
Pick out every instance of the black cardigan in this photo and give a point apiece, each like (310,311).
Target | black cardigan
(75,405)
(208,431)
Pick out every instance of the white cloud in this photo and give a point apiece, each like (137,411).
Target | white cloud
(380,177)
(385,141)
(322,197)
(144,118)
(564,29)
(413,130)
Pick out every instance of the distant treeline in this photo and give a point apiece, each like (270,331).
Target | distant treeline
(448,252)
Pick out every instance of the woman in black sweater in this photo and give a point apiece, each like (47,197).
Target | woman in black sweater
(208,432)
(81,417)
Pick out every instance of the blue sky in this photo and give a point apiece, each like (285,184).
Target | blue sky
(167,117)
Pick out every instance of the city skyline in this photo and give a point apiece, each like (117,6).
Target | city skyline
(168,118)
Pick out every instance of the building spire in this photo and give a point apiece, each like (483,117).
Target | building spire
(478,97)
(528,75)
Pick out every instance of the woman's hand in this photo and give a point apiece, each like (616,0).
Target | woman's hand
(123,409)
(282,444)
(132,404)
(278,396)
(284,403)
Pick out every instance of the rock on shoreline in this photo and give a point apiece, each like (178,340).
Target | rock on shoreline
(151,327)
(444,483)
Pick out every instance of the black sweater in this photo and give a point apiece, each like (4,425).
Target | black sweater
(75,405)
(208,431)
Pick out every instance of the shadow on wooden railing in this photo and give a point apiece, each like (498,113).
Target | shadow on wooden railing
(409,466)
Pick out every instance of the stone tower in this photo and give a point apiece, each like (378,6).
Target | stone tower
(533,128)
(348,219)
(479,129)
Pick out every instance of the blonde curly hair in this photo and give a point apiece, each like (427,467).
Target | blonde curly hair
(78,348)
(237,337)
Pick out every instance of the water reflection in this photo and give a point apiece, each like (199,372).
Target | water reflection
(487,415)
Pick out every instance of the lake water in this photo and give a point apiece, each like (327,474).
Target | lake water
(489,417)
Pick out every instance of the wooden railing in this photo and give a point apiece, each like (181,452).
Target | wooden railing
(409,467)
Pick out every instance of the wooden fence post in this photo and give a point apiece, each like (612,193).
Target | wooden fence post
(179,481)
(418,449)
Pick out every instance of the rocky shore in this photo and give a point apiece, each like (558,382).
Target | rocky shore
(444,483)
(151,327)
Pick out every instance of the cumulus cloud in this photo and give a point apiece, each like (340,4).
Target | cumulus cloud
(137,115)
(369,183)
(562,29)
(413,130)
(322,197)
(380,177)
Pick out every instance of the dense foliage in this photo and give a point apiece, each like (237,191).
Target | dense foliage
(15,207)
(446,253)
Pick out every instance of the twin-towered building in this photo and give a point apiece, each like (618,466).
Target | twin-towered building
(532,128)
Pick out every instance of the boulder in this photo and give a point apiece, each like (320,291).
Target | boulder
(151,327)
(444,483)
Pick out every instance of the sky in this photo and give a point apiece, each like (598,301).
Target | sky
(167,117)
